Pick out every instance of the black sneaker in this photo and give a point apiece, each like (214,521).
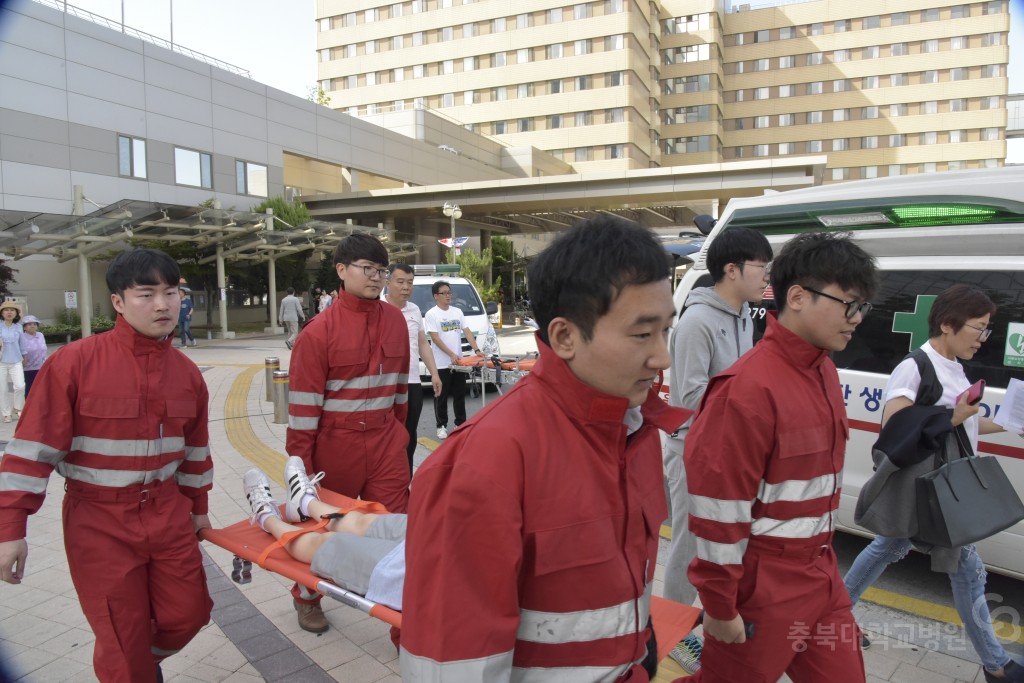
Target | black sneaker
(865,642)
(1012,673)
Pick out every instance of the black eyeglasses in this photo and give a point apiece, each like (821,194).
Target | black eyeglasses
(853,307)
(371,271)
(986,332)
(446,292)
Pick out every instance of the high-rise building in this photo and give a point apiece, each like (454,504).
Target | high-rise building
(881,87)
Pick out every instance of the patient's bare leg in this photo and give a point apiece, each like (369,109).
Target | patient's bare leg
(302,547)
(353,522)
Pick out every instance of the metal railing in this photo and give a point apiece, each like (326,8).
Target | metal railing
(63,6)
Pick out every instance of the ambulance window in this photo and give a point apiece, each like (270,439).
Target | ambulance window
(884,338)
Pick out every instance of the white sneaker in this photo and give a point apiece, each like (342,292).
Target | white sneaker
(257,492)
(299,485)
(442,433)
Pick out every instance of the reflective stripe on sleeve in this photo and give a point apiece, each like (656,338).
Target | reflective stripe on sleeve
(725,511)
(720,553)
(801,527)
(797,490)
(556,628)
(34,451)
(91,475)
(196,481)
(12,481)
(305,398)
(303,423)
(492,668)
(128,447)
(401,398)
(338,405)
(368,381)
(197,453)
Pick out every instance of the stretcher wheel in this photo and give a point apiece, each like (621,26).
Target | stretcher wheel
(241,570)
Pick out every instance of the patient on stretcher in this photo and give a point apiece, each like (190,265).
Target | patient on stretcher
(361,552)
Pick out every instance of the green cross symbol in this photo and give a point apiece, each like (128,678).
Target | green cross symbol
(915,324)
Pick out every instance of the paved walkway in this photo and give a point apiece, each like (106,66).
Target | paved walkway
(254,635)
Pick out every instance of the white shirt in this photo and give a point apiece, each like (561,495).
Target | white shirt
(414,321)
(448,325)
(906,379)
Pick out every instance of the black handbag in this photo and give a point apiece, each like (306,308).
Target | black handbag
(965,500)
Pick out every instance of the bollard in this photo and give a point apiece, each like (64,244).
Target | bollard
(280,397)
(270,365)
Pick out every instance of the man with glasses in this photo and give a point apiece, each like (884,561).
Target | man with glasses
(348,394)
(713,334)
(446,325)
(764,460)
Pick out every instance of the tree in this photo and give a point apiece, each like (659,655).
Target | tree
(317,94)
(326,277)
(474,267)
(504,259)
(290,270)
(6,277)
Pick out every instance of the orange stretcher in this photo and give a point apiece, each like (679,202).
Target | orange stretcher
(249,543)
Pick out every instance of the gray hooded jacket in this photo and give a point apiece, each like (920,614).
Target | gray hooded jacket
(708,338)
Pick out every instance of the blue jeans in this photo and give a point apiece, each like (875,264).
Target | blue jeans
(968,583)
(185,327)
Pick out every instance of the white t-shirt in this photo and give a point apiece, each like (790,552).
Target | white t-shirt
(414,321)
(448,325)
(906,379)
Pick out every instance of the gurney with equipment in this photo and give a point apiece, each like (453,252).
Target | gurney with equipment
(250,544)
(496,370)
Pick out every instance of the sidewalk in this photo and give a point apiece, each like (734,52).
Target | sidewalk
(254,635)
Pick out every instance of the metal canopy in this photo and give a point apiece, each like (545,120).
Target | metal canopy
(242,235)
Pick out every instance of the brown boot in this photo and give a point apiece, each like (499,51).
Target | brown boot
(311,618)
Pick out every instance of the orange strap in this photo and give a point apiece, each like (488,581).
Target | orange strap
(288,538)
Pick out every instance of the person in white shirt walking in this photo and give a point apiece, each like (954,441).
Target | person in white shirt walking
(290,315)
(400,277)
(446,324)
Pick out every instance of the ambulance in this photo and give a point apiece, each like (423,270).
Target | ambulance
(927,231)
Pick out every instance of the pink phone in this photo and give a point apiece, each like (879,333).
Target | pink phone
(973,393)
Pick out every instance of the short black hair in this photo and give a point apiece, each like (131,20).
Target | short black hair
(436,287)
(360,246)
(955,306)
(141,267)
(736,245)
(819,259)
(579,276)
(404,267)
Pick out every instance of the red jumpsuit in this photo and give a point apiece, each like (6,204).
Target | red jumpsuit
(347,402)
(533,536)
(124,419)
(764,461)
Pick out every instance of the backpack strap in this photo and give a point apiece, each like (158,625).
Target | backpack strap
(930,390)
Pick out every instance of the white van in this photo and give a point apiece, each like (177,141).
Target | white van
(464,296)
(928,232)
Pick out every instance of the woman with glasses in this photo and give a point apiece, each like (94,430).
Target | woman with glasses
(958,324)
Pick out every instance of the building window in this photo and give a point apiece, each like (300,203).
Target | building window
(989,134)
(869,172)
(523,55)
(896,110)
(814,117)
(583,47)
(930,76)
(582,11)
(555,15)
(760,150)
(760,65)
(614,6)
(814,58)
(325,24)
(418,38)
(193,168)
(469,97)
(525,90)
(870,112)
(958,74)
(931,14)
(615,115)
(498,25)
(931,45)
(899,49)
(419,6)
(814,146)
(761,122)
(787,32)
(250,178)
(930,107)
(525,125)
(841,85)
(787,62)
(584,118)
(370,47)
(447,33)
(929,138)
(396,10)
(841,56)
(760,93)
(370,16)
(896,80)
(786,148)
(991,102)
(958,42)
(816,29)
(840,173)
(397,74)
(616,151)
(499,59)
(448,99)
(872,22)
(555,87)
(371,78)
(785,120)
(397,42)
(523,21)
(992,7)
(468,30)
(840,115)
(584,154)
(762,36)
(958,105)
(841,26)
(897,140)
(991,71)
(418,71)
(869,52)
(991,39)
(958,136)
(469,63)
(840,145)
(448,67)
(131,156)
(815,88)
(616,42)
(499,127)
(555,121)
(869,83)
(899,18)
(614,79)
(584,83)
(869,142)
(554,51)
(499,94)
